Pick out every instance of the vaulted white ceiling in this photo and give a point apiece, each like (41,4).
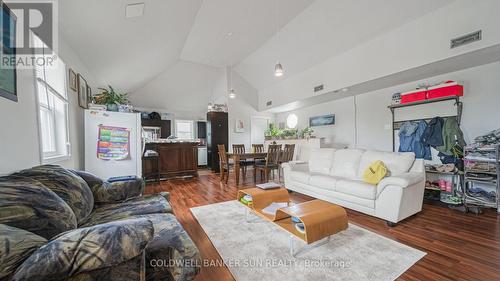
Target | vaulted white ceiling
(227,31)
(185,87)
(328,28)
(127,53)
(168,55)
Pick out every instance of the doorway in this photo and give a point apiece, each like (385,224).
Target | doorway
(258,128)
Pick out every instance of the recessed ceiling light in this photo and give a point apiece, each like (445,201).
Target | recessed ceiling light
(345,89)
(134,10)
(229,34)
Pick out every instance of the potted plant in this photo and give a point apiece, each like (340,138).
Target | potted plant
(110,98)
(290,134)
(273,133)
(306,133)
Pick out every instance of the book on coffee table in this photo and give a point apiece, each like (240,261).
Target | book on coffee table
(268,185)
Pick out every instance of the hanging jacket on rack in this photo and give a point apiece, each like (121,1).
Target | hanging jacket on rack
(410,139)
(433,134)
(451,134)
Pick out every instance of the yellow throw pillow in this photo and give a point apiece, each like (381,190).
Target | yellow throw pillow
(375,172)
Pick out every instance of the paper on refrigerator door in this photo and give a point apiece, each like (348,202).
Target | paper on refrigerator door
(113,143)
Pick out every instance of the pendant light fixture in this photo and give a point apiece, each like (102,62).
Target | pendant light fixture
(232,93)
(278,68)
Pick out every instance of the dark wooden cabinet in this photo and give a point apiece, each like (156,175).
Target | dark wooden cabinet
(165,126)
(175,159)
(202,130)
(217,133)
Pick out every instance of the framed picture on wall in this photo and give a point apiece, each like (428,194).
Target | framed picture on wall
(323,120)
(73,83)
(89,94)
(239,126)
(82,92)
(8,74)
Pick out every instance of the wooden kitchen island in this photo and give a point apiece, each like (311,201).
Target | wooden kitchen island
(176,159)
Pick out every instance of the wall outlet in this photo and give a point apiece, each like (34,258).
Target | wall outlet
(387,126)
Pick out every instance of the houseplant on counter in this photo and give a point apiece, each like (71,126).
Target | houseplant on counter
(290,134)
(110,98)
(273,133)
(306,133)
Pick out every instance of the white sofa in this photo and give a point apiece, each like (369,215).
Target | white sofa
(336,176)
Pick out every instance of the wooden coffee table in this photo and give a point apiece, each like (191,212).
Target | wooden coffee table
(321,219)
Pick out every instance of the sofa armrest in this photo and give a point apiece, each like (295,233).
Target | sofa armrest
(403,180)
(89,249)
(295,165)
(121,190)
(112,192)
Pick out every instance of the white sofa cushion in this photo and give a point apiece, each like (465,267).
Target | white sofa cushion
(321,160)
(396,163)
(346,163)
(323,181)
(300,176)
(357,188)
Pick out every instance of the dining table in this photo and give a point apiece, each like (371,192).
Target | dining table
(243,156)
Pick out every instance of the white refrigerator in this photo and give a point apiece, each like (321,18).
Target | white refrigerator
(113,144)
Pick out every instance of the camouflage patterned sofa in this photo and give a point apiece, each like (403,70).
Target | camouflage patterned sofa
(58,224)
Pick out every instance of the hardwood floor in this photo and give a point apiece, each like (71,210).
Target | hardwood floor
(459,246)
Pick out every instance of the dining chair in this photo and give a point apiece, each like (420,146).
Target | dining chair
(286,156)
(244,163)
(258,148)
(223,163)
(271,163)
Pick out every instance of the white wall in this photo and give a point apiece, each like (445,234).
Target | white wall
(339,135)
(480,115)
(19,142)
(184,89)
(417,43)
(19,128)
(76,123)
(243,107)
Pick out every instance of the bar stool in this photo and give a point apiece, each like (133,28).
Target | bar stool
(151,158)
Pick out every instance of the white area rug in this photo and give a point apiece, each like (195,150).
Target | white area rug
(259,250)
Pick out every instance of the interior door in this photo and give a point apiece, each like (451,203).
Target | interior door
(258,128)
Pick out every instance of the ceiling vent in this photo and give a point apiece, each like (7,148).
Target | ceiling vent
(269,103)
(134,10)
(466,39)
(319,88)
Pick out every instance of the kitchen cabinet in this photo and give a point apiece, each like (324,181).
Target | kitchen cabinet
(165,126)
(217,133)
(202,129)
(176,159)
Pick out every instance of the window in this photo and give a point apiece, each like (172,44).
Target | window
(291,121)
(184,129)
(52,107)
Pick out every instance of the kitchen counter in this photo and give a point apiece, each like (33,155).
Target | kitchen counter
(171,141)
(175,159)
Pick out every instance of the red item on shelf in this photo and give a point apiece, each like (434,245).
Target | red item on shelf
(413,96)
(448,89)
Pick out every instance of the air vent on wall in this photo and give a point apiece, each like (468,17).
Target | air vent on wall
(269,103)
(319,88)
(466,39)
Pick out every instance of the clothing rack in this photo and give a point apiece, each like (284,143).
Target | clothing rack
(396,125)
